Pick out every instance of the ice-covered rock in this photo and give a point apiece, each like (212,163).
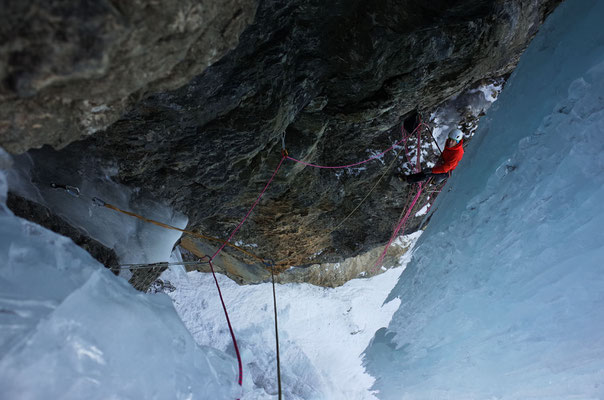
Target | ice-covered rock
(69,329)
(503,299)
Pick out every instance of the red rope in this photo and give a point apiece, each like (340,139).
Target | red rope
(250,211)
(226,314)
(400,225)
(403,221)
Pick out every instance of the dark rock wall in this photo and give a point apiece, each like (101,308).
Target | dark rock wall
(337,78)
(70,68)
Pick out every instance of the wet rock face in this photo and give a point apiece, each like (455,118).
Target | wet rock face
(70,68)
(337,78)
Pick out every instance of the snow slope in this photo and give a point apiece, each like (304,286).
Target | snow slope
(322,331)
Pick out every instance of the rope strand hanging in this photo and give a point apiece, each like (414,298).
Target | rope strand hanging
(401,225)
(251,209)
(404,140)
(276,334)
(403,221)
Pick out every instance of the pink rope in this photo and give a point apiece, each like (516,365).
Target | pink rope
(418,130)
(226,314)
(400,225)
(403,221)
(250,211)
(403,140)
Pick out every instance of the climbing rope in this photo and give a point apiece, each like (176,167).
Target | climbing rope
(403,221)
(404,140)
(276,333)
(253,206)
(399,226)
(226,314)
(166,226)
(74,191)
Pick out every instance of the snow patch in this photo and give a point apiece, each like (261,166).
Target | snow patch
(323,331)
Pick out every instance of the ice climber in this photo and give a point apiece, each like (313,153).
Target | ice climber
(449,159)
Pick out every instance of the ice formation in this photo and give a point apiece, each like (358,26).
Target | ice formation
(133,240)
(69,329)
(503,299)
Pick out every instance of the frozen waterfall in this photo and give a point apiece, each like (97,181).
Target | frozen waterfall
(70,329)
(504,298)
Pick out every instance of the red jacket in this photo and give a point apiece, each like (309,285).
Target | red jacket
(450,158)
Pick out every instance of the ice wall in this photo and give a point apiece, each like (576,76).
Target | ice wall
(133,240)
(505,296)
(69,329)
